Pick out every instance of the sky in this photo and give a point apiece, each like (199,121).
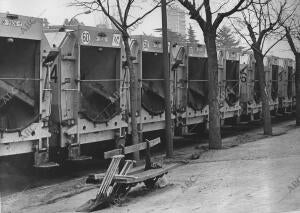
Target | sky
(56,11)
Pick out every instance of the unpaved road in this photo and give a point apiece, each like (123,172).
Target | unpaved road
(261,176)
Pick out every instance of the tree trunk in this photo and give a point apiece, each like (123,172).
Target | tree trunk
(168,118)
(263,90)
(297,84)
(215,141)
(133,97)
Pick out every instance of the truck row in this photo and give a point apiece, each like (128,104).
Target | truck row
(64,87)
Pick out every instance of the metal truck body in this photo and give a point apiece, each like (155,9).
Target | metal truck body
(148,64)
(90,90)
(25,93)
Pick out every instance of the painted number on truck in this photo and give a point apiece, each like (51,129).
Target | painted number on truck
(85,37)
(243,75)
(116,40)
(53,75)
(145,44)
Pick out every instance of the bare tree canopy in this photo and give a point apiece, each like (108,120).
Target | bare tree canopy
(292,27)
(262,22)
(208,17)
(120,13)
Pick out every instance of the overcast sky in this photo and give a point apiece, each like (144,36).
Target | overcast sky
(57,10)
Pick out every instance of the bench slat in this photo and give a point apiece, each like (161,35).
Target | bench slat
(118,178)
(149,174)
(131,149)
(137,176)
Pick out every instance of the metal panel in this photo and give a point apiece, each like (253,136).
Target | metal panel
(153,84)
(232,82)
(68,76)
(90,36)
(197,51)
(149,43)
(179,77)
(282,79)
(247,78)
(274,85)
(89,79)
(100,72)
(198,82)
(16,26)
(20,82)
(290,82)
(55,39)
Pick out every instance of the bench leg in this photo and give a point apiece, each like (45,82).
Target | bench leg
(118,189)
(102,199)
(150,183)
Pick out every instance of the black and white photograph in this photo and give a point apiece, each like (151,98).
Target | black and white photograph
(139,106)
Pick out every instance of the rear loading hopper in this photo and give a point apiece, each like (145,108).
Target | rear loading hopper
(292,83)
(250,98)
(148,64)
(197,84)
(285,85)
(89,88)
(271,65)
(229,82)
(24,89)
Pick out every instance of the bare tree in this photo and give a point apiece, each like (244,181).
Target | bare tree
(262,21)
(292,30)
(120,14)
(204,14)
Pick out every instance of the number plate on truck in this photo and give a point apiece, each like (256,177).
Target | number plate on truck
(13,23)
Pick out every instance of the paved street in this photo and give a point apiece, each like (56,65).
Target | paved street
(260,176)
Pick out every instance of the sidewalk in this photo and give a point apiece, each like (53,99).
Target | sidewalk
(261,176)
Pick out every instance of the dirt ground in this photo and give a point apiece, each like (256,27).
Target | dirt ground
(246,176)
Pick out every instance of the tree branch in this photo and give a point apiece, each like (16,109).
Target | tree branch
(241,34)
(207,12)
(194,13)
(119,11)
(118,25)
(236,8)
(290,40)
(143,16)
(271,24)
(220,7)
(278,40)
(127,9)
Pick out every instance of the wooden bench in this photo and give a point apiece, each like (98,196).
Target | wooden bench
(138,176)
(121,183)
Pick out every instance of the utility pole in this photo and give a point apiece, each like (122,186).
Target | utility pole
(168,120)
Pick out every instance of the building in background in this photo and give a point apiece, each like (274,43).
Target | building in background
(176,20)
(102,21)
